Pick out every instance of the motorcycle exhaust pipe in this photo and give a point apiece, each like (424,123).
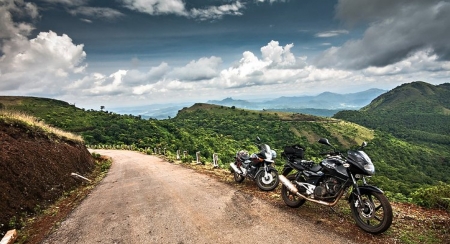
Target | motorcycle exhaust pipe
(235,168)
(289,185)
(294,190)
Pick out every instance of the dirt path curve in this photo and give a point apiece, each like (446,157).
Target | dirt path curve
(144,199)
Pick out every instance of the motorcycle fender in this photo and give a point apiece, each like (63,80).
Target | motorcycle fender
(270,168)
(363,189)
(286,170)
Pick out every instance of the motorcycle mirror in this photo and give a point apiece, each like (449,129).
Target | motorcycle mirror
(258,139)
(324,141)
(364,144)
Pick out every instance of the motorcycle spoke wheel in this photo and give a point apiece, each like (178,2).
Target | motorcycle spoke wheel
(289,198)
(374,213)
(267,183)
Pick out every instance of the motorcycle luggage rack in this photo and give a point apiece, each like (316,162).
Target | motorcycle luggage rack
(293,152)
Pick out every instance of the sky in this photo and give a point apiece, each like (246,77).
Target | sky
(119,53)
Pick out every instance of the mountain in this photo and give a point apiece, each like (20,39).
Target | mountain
(417,112)
(416,97)
(324,104)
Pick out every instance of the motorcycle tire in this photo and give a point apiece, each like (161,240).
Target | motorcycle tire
(238,177)
(289,198)
(267,183)
(376,214)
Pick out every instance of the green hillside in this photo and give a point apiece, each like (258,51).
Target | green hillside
(402,167)
(417,112)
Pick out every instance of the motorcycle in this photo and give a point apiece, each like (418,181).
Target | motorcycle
(327,182)
(257,166)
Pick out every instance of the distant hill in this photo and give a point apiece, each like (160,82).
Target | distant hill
(417,112)
(324,104)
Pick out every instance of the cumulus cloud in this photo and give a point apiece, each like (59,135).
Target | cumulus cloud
(42,60)
(34,64)
(155,74)
(277,65)
(397,30)
(202,69)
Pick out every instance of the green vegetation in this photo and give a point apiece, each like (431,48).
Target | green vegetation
(417,112)
(403,167)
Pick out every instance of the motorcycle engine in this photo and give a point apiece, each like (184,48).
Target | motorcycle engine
(327,188)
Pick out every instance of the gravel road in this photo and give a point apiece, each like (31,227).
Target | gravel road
(144,199)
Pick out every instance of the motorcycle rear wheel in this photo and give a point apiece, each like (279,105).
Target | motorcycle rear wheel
(289,198)
(375,216)
(238,177)
(267,183)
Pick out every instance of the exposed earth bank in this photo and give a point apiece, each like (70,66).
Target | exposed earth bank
(35,171)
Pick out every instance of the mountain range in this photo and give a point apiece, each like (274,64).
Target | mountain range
(325,104)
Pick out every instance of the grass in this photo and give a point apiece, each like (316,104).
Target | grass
(34,123)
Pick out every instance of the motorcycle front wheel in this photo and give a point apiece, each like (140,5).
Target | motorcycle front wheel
(374,214)
(289,198)
(238,177)
(269,182)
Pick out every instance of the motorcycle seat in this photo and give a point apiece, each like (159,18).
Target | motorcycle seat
(315,168)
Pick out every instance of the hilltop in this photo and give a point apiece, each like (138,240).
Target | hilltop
(417,112)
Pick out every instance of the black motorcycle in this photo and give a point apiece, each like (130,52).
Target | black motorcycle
(325,183)
(257,166)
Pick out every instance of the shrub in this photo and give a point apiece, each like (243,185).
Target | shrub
(433,197)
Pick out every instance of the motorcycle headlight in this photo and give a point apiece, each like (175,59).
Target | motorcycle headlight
(274,154)
(369,168)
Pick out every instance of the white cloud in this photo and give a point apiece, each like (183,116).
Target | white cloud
(157,7)
(68,2)
(178,7)
(217,12)
(332,33)
(202,69)
(155,74)
(95,12)
(38,63)
(421,61)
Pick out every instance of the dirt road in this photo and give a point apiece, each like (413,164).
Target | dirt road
(144,199)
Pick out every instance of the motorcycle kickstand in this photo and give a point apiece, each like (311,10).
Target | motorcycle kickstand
(334,210)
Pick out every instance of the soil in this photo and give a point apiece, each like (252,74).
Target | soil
(35,170)
(38,194)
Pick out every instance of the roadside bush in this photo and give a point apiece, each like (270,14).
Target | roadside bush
(187,159)
(433,197)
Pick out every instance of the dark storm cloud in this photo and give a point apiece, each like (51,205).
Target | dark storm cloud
(397,29)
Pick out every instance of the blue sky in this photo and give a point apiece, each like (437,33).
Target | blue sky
(117,53)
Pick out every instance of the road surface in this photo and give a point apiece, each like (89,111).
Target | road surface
(144,199)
